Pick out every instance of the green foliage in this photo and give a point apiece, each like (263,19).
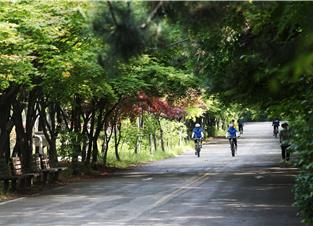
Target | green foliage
(174,134)
(304,196)
(15,60)
(150,124)
(119,24)
(160,79)
(52,45)
(303,146)
(194,112)
(130,160)
(130,133)
(68,140)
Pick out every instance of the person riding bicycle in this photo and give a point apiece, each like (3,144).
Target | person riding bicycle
(197,133)
(284,138)
(275,125)
(232,134)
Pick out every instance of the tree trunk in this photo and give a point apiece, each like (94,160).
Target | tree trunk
(90,137)
(95,149)
(104,125)
(6,100)
(150,142)
(31,116)
(50,130)
(138,139)
(85,137)
(161,134)
(5,131)
(154,142)
(105,149)
(116,141)
(23,145)
(105,146)
(76,113)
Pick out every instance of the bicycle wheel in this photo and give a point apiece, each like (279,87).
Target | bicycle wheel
(232,147)
(198,151)
(275,132)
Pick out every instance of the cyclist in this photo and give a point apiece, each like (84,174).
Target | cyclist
(232,134)
(275,125)
(284,138)
(197,133)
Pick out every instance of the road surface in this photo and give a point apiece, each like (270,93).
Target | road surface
(251,189)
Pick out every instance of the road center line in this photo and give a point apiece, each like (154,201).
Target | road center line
(182,189)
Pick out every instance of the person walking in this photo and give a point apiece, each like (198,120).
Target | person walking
(240,125)
(284,139)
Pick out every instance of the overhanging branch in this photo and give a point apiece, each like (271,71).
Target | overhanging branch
(152,15)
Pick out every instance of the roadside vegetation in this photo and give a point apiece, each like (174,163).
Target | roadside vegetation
(120,83)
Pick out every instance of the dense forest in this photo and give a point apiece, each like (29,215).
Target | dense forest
(104,78)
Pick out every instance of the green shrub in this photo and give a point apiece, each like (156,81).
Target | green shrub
(303,145)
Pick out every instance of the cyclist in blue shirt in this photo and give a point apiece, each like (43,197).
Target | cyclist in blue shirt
(232,134)
(197,133)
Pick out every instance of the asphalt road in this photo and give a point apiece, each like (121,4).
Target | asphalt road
(251,189)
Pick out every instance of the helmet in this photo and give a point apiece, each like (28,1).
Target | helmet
(197,125)
(231,125)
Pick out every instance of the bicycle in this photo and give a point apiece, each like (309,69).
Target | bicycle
(198,146)
(233,147)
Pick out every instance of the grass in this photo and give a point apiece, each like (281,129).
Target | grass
(7,196)
(221,133)
(130,159)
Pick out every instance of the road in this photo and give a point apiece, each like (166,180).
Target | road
(251,189)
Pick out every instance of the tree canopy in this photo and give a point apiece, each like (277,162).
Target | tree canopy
(90,71)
